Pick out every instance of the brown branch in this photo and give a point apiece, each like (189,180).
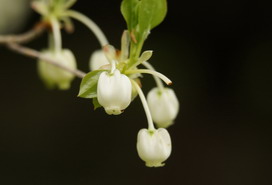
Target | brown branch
(37,30)
(13,41)
(35,54)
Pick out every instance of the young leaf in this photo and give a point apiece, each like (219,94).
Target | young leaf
(88,85)
(146,55)
(151,13)
(145,13)
(129,10)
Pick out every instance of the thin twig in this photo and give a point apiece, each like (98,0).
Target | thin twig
(13,41)
(35,54)
(37,30)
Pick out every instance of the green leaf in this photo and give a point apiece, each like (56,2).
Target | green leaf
(96,104)
(88,85)
(146,14)
(146,55)
(151,13)
(129,10)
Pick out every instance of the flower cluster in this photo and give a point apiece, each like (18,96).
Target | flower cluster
(115,77)
(118,85)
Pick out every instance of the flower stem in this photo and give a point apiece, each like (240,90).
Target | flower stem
(90,24)
(113,66)
(135,51)
(157,79)
(51,43)
(155,73)
(56,35)
(145,105)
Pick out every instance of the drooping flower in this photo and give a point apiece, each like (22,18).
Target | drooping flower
(154,146)
(54,76)
(164,106)
(114,91)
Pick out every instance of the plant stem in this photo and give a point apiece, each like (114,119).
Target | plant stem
(35,54)
(90,24)
(135,51)
(145,105)
(56,35)
(157,79)
(155,73)
(37,30)
(51,44)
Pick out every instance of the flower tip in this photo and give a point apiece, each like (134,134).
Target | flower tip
(150,164)
(113,111)
(164,124)
(170,83)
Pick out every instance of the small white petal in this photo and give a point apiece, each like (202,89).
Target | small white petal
(164,106)
(154,147)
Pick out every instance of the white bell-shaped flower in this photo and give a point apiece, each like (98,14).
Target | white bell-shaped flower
(154,146)
(97,60)
(53,75)
(163,105)
(114,91)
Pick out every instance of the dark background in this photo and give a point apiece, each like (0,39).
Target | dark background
(218,54)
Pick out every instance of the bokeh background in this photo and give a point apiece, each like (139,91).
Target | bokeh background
(219,56)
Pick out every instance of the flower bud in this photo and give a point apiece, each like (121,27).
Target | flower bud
(163,105)
(97,60)
(53,75)
(154,146)
(114,92)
